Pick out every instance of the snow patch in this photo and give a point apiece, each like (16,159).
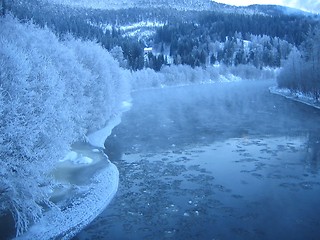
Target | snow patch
(141,24)
(98,138)
(296,96)
(126,105)
(83,160)
(229,78)
(66,222)
(71,156)
(143,29)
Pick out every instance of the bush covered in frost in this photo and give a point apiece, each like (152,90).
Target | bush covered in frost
(52,93)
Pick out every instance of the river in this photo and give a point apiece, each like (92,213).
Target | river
(219,161)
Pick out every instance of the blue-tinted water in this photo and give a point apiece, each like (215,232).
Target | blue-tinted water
(220,161)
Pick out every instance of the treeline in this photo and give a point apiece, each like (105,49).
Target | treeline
(52,93)
(301,72)
(63,20)
(233,39)
(178,75)
(186,47)
(287,27)
(188,37)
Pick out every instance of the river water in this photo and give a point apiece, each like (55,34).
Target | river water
(219,161)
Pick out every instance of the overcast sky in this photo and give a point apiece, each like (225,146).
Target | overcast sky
(309,5)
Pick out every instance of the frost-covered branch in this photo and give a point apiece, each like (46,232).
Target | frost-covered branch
(301,71)
(52,93)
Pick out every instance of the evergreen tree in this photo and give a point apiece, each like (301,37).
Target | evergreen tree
(3,7)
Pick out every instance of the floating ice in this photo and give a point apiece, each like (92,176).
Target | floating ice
(71,156)
(83,160)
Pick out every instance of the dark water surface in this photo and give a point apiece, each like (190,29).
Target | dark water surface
(220,161)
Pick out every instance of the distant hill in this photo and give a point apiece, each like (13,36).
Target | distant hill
(195,5)
(277,10)
(190,32)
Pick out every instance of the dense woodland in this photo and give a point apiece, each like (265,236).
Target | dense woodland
(233,39)
(195,38)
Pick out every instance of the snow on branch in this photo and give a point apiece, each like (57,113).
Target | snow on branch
(52,93)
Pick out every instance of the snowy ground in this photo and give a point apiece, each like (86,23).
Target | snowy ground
(88,183)
(296,96)
(142,29)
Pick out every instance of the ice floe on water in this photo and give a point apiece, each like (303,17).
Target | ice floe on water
(226,163)
(224,190)
(77,159)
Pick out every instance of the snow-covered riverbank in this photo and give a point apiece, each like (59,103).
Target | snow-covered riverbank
(295,96)
(88,187)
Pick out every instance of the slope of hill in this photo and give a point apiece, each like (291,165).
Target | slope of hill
(134,25)
(184,5)
(277,10)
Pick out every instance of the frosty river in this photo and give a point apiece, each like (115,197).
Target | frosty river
(219,161)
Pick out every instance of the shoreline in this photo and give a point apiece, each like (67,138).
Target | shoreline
(66,222)
(299,97)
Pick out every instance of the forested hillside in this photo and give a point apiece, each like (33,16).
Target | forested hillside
(196,38)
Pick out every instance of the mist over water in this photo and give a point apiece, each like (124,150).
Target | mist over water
(206,113)
(219,161)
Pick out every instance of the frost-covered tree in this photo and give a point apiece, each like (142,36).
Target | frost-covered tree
(52,93)
(29,126)
(104,97)
(117,53)
(290,75)
(301,70)
(311,54)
